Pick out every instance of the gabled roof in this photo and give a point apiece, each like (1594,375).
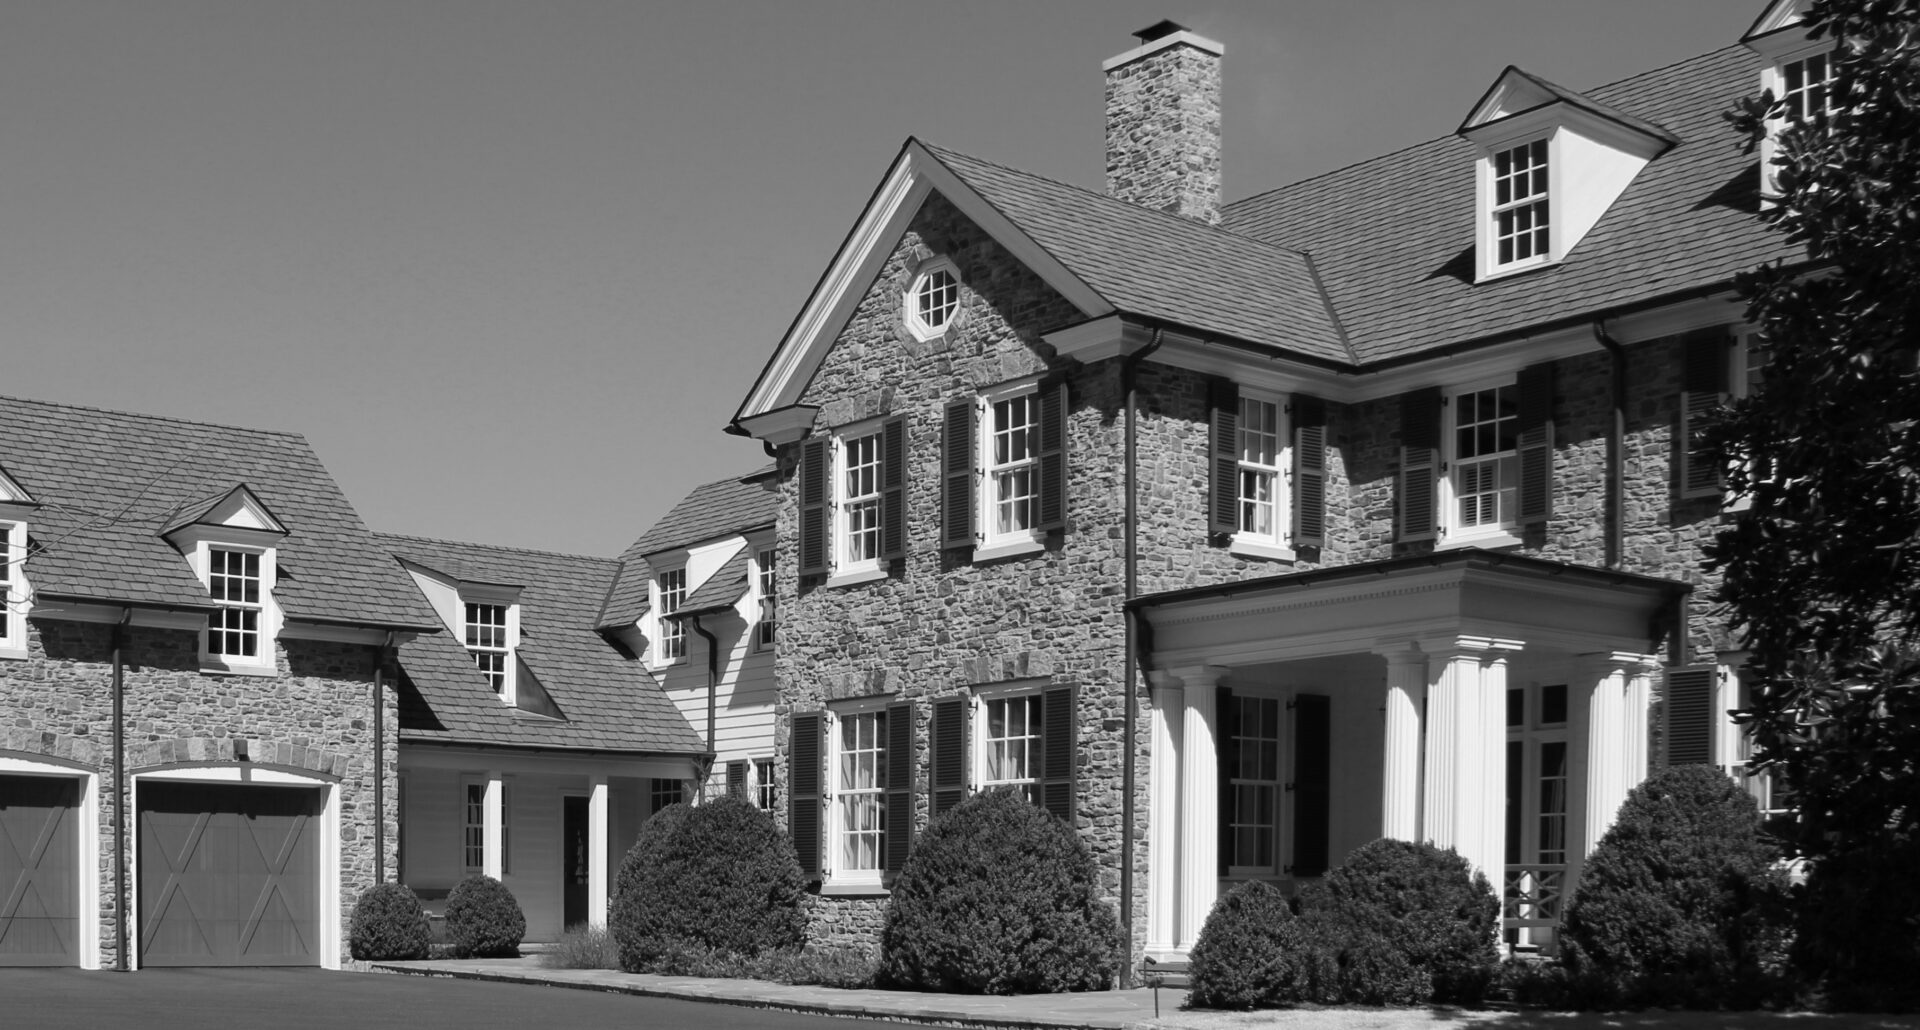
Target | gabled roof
(237,499)
(1779,14)
(109,481)
(725,507)
(11,492)
(610,702)
(722,590)
(1517,91)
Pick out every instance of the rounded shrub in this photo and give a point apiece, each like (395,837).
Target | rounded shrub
(1252,953)
(483,919)
(721,877)
(1680,904)
(1857,937)
(999,897)
(1423,901)
(388,925)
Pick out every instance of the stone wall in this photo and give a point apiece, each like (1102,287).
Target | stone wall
(314,717)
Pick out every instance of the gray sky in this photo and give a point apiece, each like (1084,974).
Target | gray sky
(512,266)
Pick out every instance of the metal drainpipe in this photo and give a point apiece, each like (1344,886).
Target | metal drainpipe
(1128,773)
(713,694)
(1616,509)
(120,834)
(380,760)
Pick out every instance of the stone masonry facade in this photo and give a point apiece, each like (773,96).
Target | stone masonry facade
(313,717)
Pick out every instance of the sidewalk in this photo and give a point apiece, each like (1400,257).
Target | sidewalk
(1101,1010)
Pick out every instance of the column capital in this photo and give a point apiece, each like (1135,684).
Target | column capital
(1400,652)
(1198,676)
(1485,649)
(1626,662)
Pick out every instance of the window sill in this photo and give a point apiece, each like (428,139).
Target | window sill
(1009,549)
(1518,268)
(1259,549)
(216,668)
(857,576)
(9,651)
(854,890)
(1485,540)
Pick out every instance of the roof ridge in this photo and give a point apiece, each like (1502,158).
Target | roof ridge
(384,536)
(153,417)
(1104,198)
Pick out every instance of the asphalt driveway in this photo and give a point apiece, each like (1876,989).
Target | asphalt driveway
(313,999)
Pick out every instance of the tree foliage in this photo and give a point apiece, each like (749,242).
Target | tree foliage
(1822,573)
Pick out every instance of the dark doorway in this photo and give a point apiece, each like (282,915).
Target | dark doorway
(573,863)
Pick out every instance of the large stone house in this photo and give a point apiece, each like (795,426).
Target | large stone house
(1241,534)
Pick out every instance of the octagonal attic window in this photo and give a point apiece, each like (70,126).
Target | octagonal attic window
(933,301)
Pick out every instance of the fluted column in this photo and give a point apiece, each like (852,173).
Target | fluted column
(1464,793)
(1163,826)
(1634,727)
(1608,778)
(1400,779)
(597,852)
(1199,802)
(493,821)
(1490,850)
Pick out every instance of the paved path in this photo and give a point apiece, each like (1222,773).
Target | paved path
(1102,1010)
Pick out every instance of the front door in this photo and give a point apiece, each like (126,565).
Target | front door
(573,863)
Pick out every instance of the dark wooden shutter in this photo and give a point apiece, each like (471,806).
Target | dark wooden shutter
(1223,509)
(893,488)
(1419,463)
(947,740)
(737,780)
(1757,358)
(1312,783)
(1309,471)
(814,523)
(1053,458)
(956,470)
(1690,715)
(1226,744)
(1535,427)
(1057,748)
(899,793)
(1704,383)
(803,791)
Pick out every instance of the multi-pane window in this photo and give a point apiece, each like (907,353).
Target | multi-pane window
(233,578)
(673,635)
(486,628)
(860,781)
(1520,215)
(860,500)
(1256,783)
(1010,749)
(934,301)
(1013,464)
(475,837)
(764,794)
(661,792)
(1805,88)
(1260,476)
(9,561)
(1537,790)
(1485,468)
(769,623)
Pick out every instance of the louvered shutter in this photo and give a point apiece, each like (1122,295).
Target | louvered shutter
(899,792)
(814,523)
(1053,458)
(1704,385)
(1057,731)
(1312,783)
(1690,715)
(1226,750)
(947,740)
(737,780)
(1223,509)
(1309,471)
(957,475)
(803,791)
(1419,463)
(893,489)
(1757,358)
(1535,427)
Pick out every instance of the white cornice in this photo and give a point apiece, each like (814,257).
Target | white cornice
(1192,39)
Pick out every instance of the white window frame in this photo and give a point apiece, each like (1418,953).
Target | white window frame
(656,793)
(834,867)
(472,832)
(985,699)
(670,635)
(1733,745)
(766,600)
(1532,735)
(508,598)
(868,504)
(1505,530)
(1792,48)
(926,279)
(15,595)
(992,541)
(1536,149)
(765,790)
(499,651)
(1278,476)
(1283,759)
(267,621)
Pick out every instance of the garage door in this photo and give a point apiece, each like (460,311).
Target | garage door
(39,871)
(229,875)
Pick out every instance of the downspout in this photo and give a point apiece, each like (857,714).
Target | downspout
(1616,505)
(713,694)
(380,760)
(121,837)
(1128,773)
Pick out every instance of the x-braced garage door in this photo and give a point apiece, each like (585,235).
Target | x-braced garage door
(39,870)
(229,875)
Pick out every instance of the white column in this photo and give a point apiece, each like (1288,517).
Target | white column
(1400,781)
(1199,803)
(1634,726)
(1490,853)
(1608,749)
(1163,815)
(597,853)
(1464,804)
(494,818)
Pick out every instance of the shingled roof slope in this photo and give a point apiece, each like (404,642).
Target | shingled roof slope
(1163,266)
(724,507)
(608,702)
(109,481)
(1392,238)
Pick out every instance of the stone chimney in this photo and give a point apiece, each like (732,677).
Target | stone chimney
(1163,123)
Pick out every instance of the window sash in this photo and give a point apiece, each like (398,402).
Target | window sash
(1256,785)
(860,499)
(673,594)
(860,783)
(935,299)
(764,792)
(486,632)
(1485,470)
(1013,464)
(1011,740)
(1521,213)
(1260,451)
(765,631)
(1805,87)
(233,581)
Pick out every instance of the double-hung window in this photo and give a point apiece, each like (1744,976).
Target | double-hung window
(1012,478)
(664,791)
(858,502)
(233,581)
(763,584)
(852,486)
(1537,788)
(1263,485)
(486,633)
(1804,88)
(1254,778)
(13,594)
(671,587)
(764,794)
(859,770)
(1010,743)
(1483,461)
(1521,215)
(474,834)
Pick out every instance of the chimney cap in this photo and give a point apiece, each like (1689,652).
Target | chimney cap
(1159,30)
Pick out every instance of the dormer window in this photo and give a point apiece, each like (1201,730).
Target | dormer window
(671,588)
(1797,70)
(1803,87)
(486,633)
(13,588)
(933,301)
(233,580)
(1521,229)
(230,541)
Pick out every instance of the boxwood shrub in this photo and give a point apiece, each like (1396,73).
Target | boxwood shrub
(721,877)
(1424,902)
(999,897)
(483,919)
(388,925)
(1253,953)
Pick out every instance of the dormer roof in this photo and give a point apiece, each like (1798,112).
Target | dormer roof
(1780,14)
(235,507)
(1517,92)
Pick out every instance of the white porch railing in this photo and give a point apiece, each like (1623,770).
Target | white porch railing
(1532,905)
